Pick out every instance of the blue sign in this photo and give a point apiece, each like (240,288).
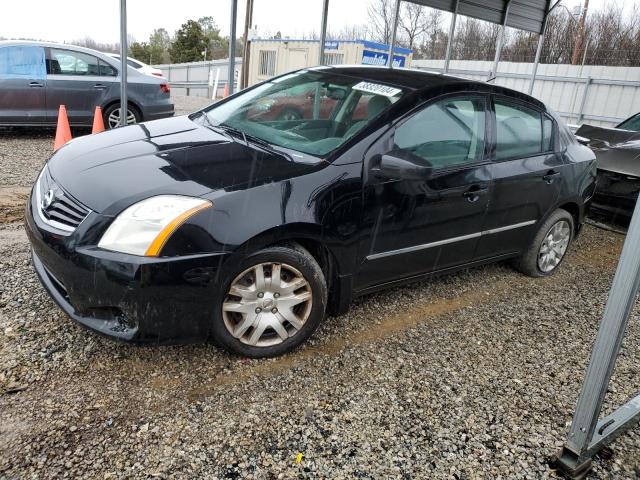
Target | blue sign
(331,45)
(370,57)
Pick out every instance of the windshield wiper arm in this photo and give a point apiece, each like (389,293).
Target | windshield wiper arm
(245,136)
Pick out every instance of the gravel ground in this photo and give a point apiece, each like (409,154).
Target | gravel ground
(472,375)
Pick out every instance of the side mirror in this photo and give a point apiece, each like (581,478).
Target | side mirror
(404,165)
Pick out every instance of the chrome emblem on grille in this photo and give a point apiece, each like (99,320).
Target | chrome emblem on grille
(49,196)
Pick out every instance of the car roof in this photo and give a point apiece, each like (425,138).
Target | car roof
(67,46)
(423,80)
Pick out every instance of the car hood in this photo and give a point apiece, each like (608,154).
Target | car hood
(112,170)
(616,150)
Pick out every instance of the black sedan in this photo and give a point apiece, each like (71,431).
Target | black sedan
(248,229)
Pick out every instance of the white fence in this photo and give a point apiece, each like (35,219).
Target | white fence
(597,95)
(197,78)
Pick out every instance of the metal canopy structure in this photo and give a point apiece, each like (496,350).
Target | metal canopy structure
(522,14)
(527,15)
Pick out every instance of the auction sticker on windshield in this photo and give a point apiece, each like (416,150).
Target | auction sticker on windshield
(377,89)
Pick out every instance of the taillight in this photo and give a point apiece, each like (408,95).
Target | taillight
(157,74)
(164,88)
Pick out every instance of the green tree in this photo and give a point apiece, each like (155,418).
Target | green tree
(159,44)
(188,44)
(140,51)
(217,46)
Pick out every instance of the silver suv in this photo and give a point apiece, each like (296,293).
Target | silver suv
(37,77)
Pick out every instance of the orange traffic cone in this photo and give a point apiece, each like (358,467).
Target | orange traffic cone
(63,131)
(225,92)
(98,122)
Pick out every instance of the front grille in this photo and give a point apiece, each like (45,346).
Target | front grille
(56,207)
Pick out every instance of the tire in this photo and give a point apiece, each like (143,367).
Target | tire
(532,261)
(244,321)
(114,110)
(290,114)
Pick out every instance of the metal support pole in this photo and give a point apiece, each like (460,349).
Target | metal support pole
(396,18)
(587,435)
(452,29)
(323,30)
(248,21)
(232,45)
(584,98)
(124,111)
(496,59)
(536,61)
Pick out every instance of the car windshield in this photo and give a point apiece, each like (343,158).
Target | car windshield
(632,124)
(310,111)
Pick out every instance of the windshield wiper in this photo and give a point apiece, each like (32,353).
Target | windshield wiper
(232,131)
(246,137)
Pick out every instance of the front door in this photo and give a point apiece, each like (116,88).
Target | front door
(421,226)
(528,176)
(22,85)
(77,80)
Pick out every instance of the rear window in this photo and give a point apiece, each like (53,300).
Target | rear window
(519,131)
(69,62)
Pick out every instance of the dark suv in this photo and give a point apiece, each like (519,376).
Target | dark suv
(248,228)
(37,77)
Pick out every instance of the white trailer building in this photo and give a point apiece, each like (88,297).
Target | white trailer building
(271,57)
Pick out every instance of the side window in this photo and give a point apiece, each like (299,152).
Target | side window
(632,124)
(446,133)
(519,131)
(67,62)
(107,70)
(22,61)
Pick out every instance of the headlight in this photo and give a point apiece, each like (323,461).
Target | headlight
(144,228)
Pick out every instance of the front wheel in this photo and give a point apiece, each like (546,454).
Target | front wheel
(549,246)
(271,303)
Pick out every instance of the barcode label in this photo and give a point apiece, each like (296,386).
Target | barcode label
(377,89)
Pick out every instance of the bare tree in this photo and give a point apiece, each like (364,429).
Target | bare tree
(413,23)
(381,14)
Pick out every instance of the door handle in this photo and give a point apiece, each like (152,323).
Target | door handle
(36,85)
(550,176)
(100,86)
(473,193)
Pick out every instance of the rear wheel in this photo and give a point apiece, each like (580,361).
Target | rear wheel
(272,302)
(111,116)
(548,248)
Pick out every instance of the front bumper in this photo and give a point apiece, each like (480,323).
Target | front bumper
(131,298)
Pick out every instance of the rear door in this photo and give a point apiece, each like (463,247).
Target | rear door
(79,81)
(22,85)
(528,176)
(422,226)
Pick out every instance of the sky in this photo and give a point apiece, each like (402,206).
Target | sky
(67,20)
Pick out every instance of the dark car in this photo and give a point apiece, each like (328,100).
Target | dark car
(618,159)
(219,226)
(37,77)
